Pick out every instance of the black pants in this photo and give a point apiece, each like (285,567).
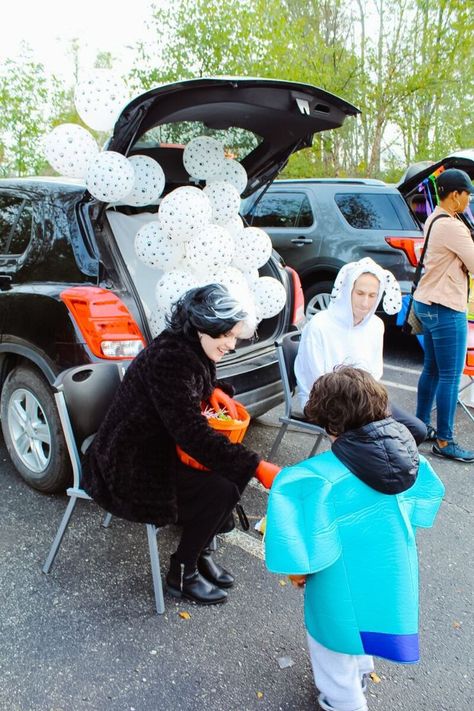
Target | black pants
(411,422)
(205,501)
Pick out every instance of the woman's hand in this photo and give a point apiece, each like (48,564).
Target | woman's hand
(298,581)
(266,472)
(218,400)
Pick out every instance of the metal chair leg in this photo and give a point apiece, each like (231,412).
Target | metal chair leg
(466,409)
(60,534)
(316,445)
(106,520)
(277,441)
(152,533)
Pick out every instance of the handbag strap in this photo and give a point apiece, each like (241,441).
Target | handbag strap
(419,266)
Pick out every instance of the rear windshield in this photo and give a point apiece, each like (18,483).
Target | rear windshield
(375,211)
(237,142)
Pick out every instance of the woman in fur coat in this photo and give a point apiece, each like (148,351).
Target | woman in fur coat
(132,469)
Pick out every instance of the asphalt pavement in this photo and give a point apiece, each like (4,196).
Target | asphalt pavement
(86,638)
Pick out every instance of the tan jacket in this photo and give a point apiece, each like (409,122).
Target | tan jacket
(448,259)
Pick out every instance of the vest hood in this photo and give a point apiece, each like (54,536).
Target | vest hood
(382,454)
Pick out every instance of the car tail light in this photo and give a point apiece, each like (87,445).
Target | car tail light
(107,325)
(412,246)
(297,316)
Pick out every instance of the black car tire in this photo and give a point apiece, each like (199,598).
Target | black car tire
(316,297)
(32,431)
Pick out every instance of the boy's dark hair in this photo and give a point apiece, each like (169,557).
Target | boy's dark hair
(346,399)
(208,309)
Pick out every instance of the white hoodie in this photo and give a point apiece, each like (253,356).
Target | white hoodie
(330,337)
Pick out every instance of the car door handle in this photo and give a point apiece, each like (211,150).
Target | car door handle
(300,241)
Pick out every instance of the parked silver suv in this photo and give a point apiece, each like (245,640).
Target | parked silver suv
(318,225)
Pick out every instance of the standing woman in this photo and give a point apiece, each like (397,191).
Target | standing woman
(132,469)
(440,302)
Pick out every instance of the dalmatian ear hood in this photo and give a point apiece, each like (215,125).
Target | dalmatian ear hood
(340,305)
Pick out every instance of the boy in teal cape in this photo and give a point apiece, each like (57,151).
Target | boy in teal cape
(343,524)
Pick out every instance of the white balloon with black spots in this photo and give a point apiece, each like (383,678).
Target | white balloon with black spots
(233,279)
(172,286)
(234,225)
(253,248)
(148,184)
(184,212)
(251,277)
(157,322)
(270,297)
(211,248)
(233,173)
(110,176)
(155,249)
(224,199)
(203,157)
(99,97)
(69,149)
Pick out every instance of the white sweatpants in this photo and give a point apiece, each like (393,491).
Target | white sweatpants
(338,676)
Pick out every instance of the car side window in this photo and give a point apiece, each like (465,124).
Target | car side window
(371,211)
(282,209)
(15,225)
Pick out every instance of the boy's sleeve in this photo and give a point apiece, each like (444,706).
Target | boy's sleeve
(301,532)
(424,498)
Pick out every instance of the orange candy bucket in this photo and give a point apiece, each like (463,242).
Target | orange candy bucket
(233,429)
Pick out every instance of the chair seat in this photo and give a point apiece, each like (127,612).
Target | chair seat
(96,385)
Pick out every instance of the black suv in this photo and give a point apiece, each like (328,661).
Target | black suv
(318,225)
(71,289)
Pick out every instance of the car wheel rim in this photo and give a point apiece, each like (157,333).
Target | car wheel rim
(320,302)
(29,430)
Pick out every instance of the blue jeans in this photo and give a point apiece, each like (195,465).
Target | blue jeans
(445,343)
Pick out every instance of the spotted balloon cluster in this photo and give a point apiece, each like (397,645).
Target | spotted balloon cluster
(197,236)
(73,151)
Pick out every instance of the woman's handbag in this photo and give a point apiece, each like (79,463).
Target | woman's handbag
(412,325)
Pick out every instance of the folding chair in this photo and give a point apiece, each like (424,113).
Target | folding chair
(286,349)
(83,396)
(469,372)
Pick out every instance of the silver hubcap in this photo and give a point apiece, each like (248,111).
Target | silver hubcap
(29,430)
(320,302)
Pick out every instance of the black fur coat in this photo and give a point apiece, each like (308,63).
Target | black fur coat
(130,467)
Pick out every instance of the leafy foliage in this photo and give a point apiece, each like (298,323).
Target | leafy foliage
(407,64)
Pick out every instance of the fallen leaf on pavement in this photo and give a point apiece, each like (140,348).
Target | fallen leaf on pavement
(285,662)
(184,615)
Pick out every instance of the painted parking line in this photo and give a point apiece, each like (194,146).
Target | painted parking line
(245,542)
(402,369)
(399,386)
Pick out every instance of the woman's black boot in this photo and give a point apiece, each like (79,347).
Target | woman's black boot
(187,582)
(213,571)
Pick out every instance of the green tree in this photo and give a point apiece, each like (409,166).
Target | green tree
(28,98)
(294,40)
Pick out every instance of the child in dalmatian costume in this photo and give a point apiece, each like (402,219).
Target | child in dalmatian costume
(348,332)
